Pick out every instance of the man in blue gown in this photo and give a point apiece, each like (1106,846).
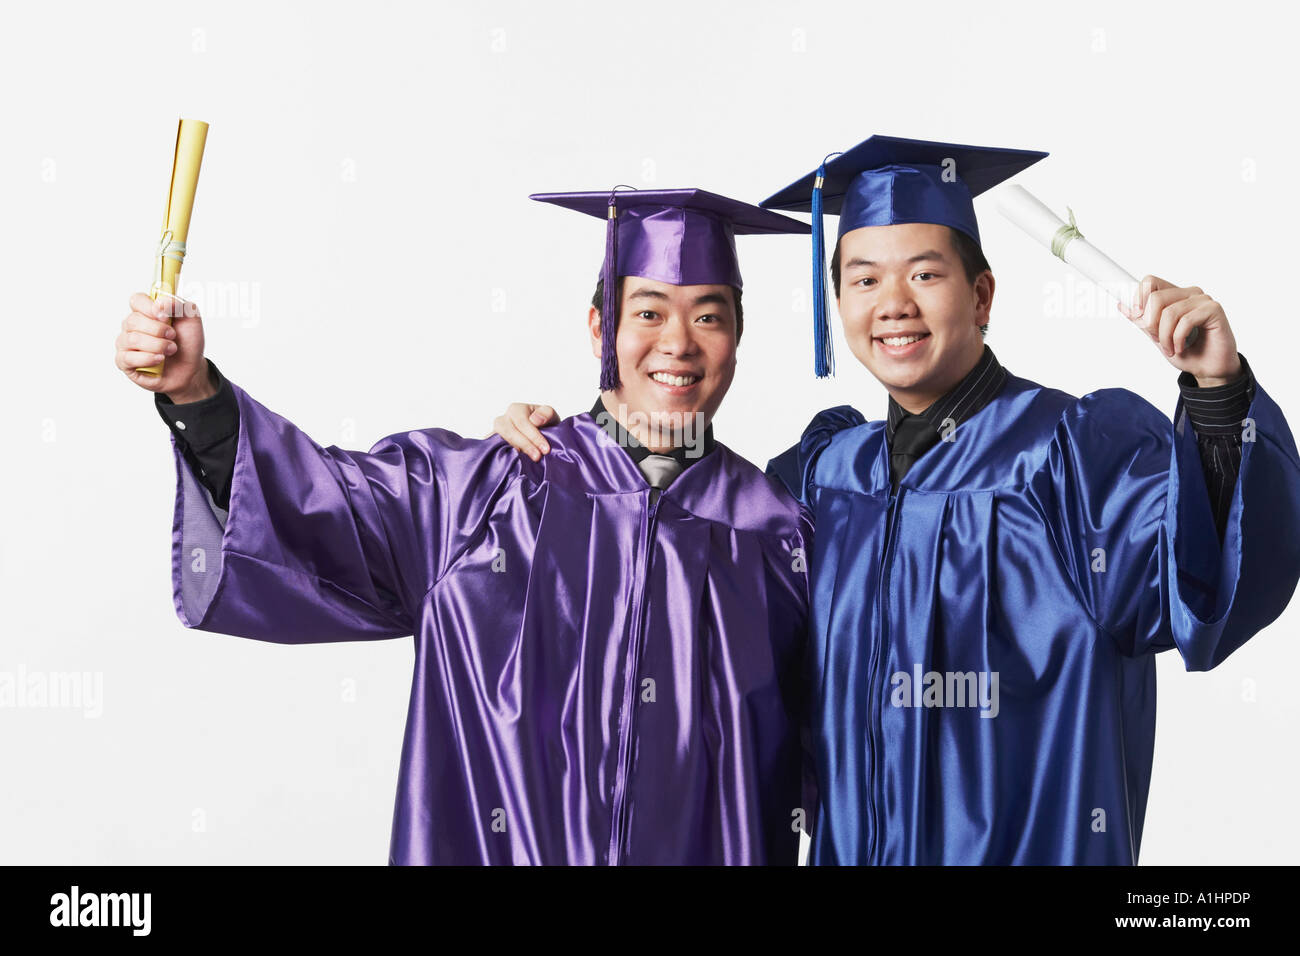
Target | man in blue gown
(997,562)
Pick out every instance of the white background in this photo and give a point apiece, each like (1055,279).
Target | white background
(367,262)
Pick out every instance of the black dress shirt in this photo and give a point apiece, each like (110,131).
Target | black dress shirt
(206,434)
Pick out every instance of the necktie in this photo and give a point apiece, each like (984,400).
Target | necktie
(659,470)
(912,438)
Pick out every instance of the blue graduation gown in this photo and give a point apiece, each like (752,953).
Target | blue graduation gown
(1054,544)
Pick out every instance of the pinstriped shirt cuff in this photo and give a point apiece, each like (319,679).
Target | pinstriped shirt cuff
(1218,410)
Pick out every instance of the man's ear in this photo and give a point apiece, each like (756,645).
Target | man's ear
(593,326)
(984,285)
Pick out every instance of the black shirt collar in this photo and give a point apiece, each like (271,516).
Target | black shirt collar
(976,389)
(638,452)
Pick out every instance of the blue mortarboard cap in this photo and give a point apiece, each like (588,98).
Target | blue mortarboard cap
(886,180)
(678,236)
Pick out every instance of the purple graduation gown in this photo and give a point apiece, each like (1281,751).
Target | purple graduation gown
(1057,543)
(598,678)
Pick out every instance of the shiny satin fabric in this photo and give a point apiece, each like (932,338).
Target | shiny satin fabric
(678,245)
(1058,543)
(597,680)
(907,193)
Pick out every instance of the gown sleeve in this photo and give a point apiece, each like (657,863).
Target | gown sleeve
(322,544)
(795,466)
(1123,495)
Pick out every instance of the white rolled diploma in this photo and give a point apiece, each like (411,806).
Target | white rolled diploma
(1020,206)
(1024,209)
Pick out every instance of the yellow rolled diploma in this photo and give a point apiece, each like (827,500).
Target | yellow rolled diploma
(190,137)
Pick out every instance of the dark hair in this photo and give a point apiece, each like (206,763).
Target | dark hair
(598,299)
(968,251)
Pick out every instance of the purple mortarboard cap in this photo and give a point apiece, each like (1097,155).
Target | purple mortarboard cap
(678,236)
(886,180)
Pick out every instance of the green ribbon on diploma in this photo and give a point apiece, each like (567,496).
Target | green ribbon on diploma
(1062,237)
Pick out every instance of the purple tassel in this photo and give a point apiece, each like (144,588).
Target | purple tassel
(609,378)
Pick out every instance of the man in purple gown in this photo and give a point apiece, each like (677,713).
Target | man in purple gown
(608,641)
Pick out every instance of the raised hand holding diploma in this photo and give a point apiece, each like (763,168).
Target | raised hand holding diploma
(170,253)
(147,337)
(1172,317)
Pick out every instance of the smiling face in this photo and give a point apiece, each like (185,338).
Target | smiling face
(676,351)
(911,315)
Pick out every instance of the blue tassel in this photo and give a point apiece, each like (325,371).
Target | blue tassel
(823,348)
(609,378)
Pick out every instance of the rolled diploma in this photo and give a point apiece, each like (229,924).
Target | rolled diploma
(1023,208)
(190,138)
